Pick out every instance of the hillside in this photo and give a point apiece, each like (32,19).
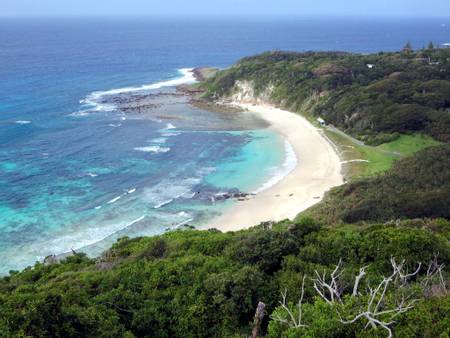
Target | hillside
(372,97)
(415,187)
(208,284)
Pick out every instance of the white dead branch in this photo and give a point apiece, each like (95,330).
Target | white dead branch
(292,321)
(329,291)
(377,312)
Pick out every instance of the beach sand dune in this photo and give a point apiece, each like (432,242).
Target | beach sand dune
(318,169)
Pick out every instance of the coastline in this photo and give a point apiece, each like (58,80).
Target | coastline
(318,169)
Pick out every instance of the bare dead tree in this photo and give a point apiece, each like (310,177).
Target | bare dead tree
(292,321)
(403,277)
(377,312)
(329,291)
(380,310)
(434,282)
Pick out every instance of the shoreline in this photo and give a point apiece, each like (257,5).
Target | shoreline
(318,169)
(302,187)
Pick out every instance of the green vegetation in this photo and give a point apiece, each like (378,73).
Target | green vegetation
(372,97)
(415,187)
(207,284)
(379,158)
(408,144)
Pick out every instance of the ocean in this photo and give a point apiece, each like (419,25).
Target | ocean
(81,164)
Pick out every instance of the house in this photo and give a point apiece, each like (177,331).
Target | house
(446,45)
(370,66)
(321,122)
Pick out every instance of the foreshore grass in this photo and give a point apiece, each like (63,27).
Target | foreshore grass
(409,144)
(363,160)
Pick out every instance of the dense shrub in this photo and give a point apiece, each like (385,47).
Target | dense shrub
(208,284)
(415,187)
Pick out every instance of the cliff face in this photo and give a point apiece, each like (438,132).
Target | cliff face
(244,92)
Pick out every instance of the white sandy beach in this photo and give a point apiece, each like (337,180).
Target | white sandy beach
(318,169)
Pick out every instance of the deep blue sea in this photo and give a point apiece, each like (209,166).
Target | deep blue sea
(76,172)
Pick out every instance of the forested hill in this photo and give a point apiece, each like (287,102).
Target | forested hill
(372,97)
(415,187)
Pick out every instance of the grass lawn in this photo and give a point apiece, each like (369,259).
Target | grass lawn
(380,158)
(409,144)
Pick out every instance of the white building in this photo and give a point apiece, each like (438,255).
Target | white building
(321,122)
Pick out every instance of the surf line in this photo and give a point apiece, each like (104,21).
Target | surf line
(93,101)
(115,199)
(110,234)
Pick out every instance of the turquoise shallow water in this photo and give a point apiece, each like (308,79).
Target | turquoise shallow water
(253,164)
(128,174)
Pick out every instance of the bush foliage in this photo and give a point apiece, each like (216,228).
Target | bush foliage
(207,283)
(415,187)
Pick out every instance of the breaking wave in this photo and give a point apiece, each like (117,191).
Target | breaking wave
(93,102)
(153,149)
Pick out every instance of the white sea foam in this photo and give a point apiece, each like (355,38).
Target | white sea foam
(115,125)
(153,149)
(115,199)
(170,126)
(128,225)
(183,214)
(22,122)
(158,140)
(77,240)
(159,205)
(183,223)
(188,194)
(93,99)
(167,191)
(104,235)
(80,113)
(170,134)
(289,164)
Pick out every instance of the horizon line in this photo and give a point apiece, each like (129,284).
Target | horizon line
(229,15)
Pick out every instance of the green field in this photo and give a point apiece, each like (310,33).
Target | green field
(380,158)
(409,144)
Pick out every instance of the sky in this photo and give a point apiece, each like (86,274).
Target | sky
(402,8)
